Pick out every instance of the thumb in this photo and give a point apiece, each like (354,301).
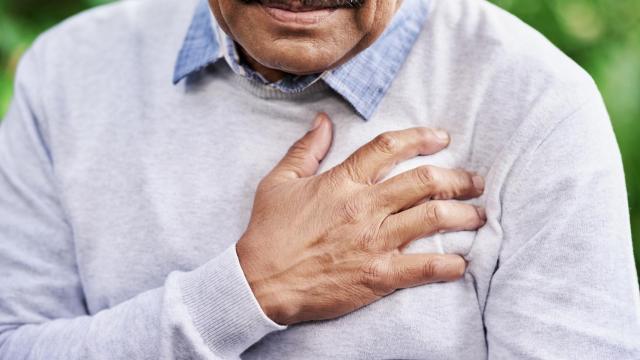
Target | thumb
(303,158)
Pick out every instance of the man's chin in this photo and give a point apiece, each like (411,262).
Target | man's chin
(299,59)
(292,42)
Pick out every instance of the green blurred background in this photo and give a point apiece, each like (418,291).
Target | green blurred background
(602,35)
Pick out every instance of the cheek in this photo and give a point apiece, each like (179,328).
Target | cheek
(365,17)
(228,14)
(374,18)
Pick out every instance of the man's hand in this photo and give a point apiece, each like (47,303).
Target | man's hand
(318,247)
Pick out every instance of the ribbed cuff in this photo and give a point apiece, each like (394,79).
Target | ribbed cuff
(223,307)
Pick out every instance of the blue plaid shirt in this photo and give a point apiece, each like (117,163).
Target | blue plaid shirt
(363,81)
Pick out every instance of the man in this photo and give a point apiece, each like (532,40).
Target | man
(142,218)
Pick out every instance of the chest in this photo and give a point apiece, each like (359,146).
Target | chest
(167,194)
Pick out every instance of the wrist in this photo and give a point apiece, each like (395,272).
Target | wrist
(266,289)
(275,305)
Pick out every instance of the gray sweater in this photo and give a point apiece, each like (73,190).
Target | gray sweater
(122,196)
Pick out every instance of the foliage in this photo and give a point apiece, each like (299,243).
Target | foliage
(20,22)
(601,35)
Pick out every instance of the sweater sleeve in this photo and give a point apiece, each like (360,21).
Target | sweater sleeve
(566,285)
(207,313)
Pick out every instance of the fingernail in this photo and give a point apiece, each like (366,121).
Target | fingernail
(442,135)
(482,213)
(478,182)
(316,123)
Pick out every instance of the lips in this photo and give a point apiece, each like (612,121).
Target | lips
(299,17)
(297,12)
(309,5)
(303,12)
(293,6)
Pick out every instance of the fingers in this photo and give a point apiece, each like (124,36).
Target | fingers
(428,218)
(303,158)
(374,160)
(429,182)
(418,269)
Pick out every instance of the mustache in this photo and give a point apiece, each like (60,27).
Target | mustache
(310,3)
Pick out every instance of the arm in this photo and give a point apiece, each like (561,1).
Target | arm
(345,224)
(42,310)
(566,285)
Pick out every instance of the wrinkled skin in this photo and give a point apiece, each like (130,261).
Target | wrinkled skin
(274,48)
(320,246)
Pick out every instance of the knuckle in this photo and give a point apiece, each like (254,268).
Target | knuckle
(458,184)
(334,178)
(426,176)
(465,180)
(435,213)
(376,276)
(425,134)
(431,269)
(386,143)
(264,184)
(298,149)
(267,184)
(351,210)
(352,170)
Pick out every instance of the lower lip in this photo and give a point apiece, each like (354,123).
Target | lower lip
(299,18)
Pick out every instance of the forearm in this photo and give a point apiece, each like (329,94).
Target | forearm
(207,313)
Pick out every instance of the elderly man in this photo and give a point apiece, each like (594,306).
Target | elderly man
(142,217)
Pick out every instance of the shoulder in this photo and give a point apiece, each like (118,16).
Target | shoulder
(98,53)
(100,57)
(501,74)
(101,38)
(495,43)
(500,84)
(122,21)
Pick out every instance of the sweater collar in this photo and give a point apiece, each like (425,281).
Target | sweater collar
(363,81)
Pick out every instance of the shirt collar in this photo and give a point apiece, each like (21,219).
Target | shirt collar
(363,81)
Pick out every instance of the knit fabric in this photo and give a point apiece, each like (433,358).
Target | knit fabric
(122,196)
